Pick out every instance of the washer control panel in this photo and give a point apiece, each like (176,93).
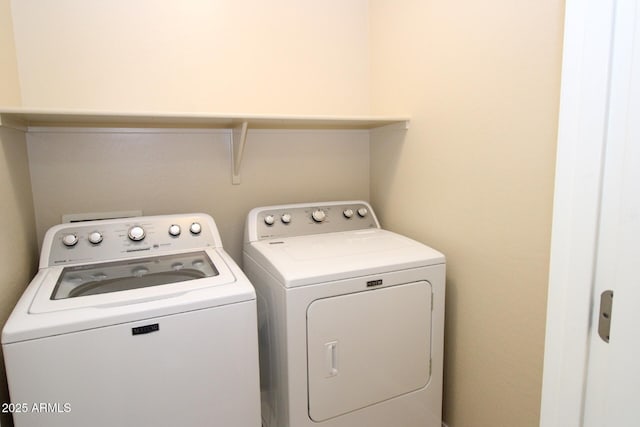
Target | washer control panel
(314,218)
(95,241)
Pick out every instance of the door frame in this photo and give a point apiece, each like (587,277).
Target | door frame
(579,170)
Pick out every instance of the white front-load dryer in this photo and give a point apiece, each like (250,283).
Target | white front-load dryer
(134,322)
(350,318)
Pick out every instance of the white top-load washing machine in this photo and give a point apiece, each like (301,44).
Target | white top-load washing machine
(350,318)
(134,322)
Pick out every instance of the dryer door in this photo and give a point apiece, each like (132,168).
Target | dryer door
(367,347)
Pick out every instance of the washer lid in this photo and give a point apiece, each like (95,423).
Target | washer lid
(304,260)
(129,280)
(117,276)
(37,314)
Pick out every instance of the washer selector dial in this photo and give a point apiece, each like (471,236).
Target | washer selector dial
(319,215)
(269,220)
(195,228)
(70,240)
(175,230)
(140,271)
(136,233)
(285,218)
(362,212)
(348,213)
(95,237)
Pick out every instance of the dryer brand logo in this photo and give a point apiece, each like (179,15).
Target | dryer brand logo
(371,283)
(146,329)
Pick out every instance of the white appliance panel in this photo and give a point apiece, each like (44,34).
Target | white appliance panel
(109,377)
(367,347)
(269,222)
(115,242)
(304,260)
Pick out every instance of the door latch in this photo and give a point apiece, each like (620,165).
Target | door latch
(604,321)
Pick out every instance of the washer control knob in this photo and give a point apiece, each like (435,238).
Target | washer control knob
(136,233)
(348,213)
(195,228)
(95,237)
(70,240)
(269,220)
(318,215)
(139,271)
(362,212)
(175,230)
(285,218)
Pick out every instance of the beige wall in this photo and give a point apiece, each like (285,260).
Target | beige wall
(9,81)
(249,56)
(474,178)
(164,172)
(18,250)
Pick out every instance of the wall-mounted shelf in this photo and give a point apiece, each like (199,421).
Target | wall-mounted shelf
(25,119)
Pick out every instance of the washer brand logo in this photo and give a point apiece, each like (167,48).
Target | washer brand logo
(371,283)
(146,329)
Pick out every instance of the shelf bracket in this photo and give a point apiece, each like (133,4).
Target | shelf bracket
(238,139)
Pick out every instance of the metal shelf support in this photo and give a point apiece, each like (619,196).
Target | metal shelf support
(238,140)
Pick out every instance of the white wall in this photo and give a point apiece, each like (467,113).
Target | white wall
(474,178)
(250,56)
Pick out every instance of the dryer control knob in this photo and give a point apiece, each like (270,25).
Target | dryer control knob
(348,213)
(195,228)
(286,218)
(362,212)
(175,230)
(269,220)
(136,233)
(95,237)
(70,240)
(318,215)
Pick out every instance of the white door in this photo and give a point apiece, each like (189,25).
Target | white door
(612,395)
(596,229)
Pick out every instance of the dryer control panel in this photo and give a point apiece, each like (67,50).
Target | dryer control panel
(304,219)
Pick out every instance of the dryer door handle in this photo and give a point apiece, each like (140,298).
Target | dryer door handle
(331,352)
